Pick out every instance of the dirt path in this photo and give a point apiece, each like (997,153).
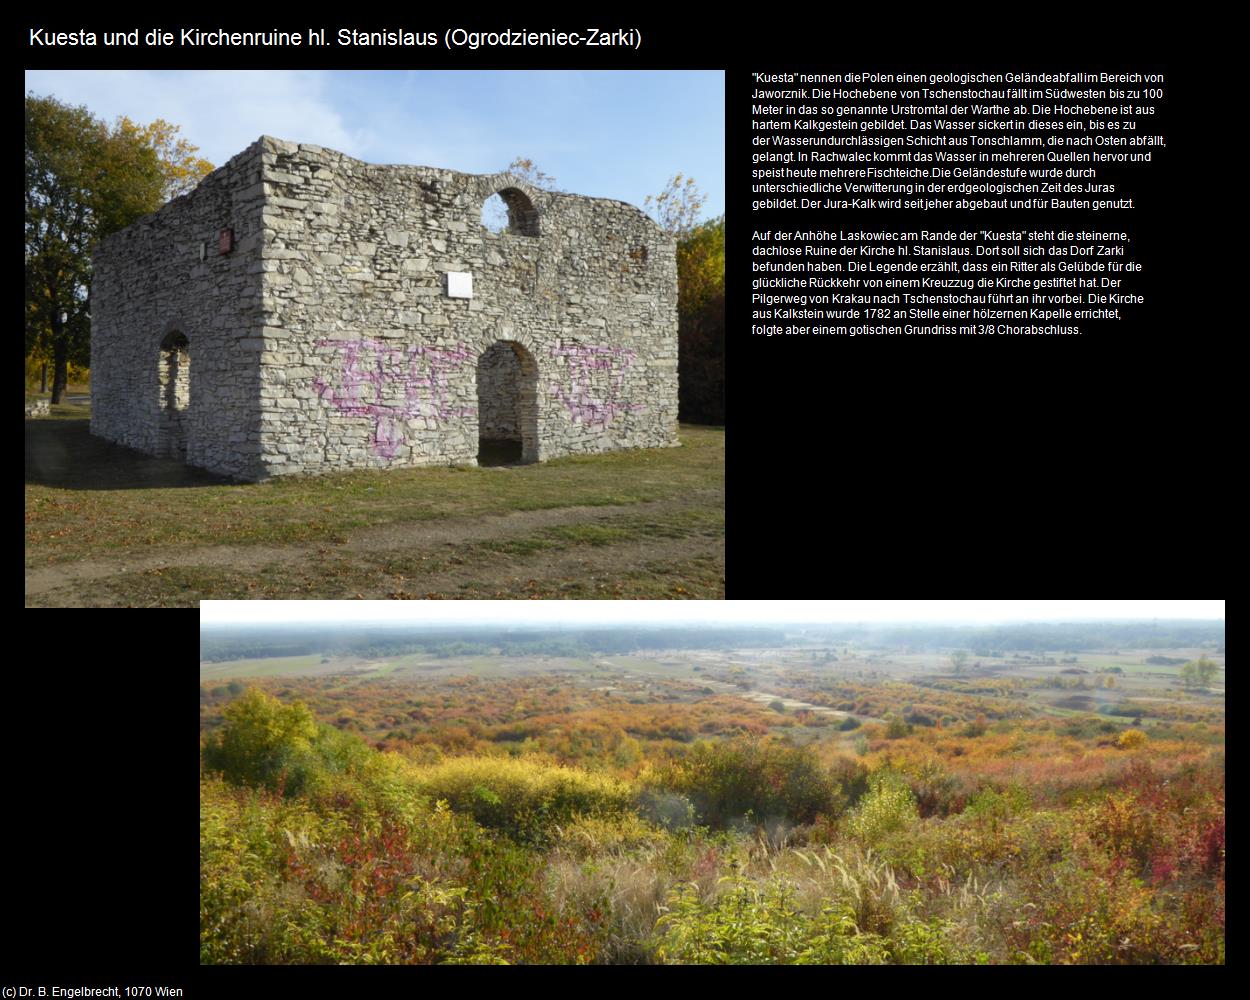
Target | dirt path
(440,543)
(791,704)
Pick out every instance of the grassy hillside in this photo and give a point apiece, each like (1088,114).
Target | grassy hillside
(539,820)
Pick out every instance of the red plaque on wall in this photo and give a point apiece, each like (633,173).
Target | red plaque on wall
(225,242)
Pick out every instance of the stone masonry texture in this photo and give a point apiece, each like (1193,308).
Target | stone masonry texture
(292,315)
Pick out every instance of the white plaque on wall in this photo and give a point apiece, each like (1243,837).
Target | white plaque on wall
(459,285)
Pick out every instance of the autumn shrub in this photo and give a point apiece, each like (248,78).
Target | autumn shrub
(516,921)
(596,836)
(851,777)
(731,781)
(994,806)
(521,797)
(240,858)
(937,791)
(888,806)
(667,809)
(750,923)
(1131,739)
(263,742)
(1124,826)
(931,942)
(628,887)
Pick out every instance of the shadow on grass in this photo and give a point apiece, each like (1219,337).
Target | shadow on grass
(62,453)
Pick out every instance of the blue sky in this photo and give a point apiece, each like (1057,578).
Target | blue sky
(606,134)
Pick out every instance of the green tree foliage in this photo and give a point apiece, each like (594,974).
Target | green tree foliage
(701,323)
(728,781)
(85,180)
(700,298)
(959,660)
(263,742)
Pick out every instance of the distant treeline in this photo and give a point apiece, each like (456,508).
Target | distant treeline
(259,643)
(993,640)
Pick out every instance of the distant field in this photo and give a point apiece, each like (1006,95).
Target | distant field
(270,667)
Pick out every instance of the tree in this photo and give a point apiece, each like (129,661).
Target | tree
(84,181)
(959,660)
(180,167)
(528,171)
(262,741)
(1199,673)
(678,206)
(700,298)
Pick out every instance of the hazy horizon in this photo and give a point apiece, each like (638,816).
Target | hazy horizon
(743,613)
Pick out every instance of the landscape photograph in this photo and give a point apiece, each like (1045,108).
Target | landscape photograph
(712,783)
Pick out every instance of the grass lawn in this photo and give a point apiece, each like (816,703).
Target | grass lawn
(128,529)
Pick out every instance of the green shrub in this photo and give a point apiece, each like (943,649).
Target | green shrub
(521,797)
(727,782)
(849,723)
(751,924)
(931,944)
(263,742)
(998,807)
(888,806)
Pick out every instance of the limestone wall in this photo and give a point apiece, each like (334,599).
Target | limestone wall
(369,362)
(329,339)
(150,284)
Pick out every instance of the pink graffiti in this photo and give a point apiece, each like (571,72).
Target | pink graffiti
(393,384)
(579,399)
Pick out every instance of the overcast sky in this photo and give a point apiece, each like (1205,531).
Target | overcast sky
(615,135)
(729,612)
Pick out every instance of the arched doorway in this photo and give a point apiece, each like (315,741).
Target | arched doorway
(174,379)
(507,405)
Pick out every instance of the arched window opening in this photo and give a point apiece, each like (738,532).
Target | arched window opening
(175,372)
(174,380)
(510,211)
(507,405)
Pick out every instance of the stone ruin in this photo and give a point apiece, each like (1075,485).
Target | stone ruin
(301,311)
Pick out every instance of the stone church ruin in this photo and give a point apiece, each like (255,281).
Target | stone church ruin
(301,311)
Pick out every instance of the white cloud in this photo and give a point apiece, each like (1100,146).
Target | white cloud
(222,112)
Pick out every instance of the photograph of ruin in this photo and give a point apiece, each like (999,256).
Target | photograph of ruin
(301,311)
